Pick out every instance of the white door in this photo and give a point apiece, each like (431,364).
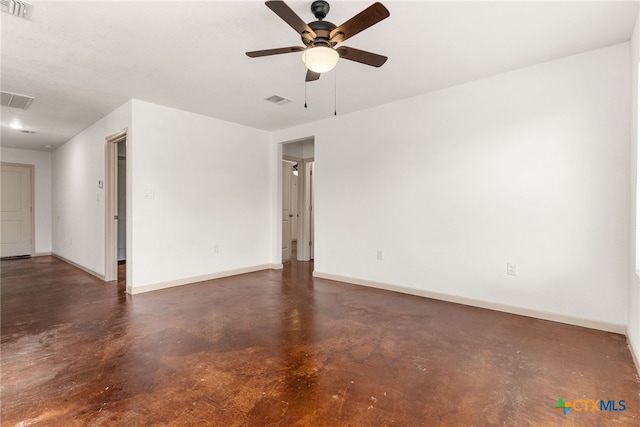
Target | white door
(15,216)
(287,172)
(122,208)
(293,211)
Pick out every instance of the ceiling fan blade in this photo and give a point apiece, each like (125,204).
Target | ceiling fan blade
(312,76)
(278,51)
(290,17)
(368,17)
(361,56)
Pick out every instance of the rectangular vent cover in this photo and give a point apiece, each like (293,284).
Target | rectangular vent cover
(17,8)
(278,100)
(16,101)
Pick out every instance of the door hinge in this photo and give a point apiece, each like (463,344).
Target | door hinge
(310,243)
(115,217)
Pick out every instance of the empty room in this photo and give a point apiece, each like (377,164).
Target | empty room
(312,213)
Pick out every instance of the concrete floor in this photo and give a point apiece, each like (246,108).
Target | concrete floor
(280,348)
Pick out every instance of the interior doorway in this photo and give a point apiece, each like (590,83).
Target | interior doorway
(122,209)
(116,207)
(17,215)
(290,213)
(297,201)
(122,201)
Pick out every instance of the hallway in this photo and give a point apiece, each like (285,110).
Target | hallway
(283,348)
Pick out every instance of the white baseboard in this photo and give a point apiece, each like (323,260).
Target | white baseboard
(85,269)
(195,279)
(635,353)
(522,311)
(42,254)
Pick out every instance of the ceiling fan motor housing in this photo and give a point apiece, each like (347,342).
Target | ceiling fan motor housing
(323,30)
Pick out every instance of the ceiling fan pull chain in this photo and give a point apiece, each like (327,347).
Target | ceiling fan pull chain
(305,82)
(335,91)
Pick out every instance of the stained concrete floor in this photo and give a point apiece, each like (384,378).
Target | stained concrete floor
(280,348)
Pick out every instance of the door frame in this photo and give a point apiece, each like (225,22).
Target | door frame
(111,205)
(32,245)
(305,212)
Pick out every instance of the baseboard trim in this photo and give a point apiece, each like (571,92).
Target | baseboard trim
(42,254)
(506,308)
(76,265)
(195,279)
(634,354)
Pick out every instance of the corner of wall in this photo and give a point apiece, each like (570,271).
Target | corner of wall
(633,320)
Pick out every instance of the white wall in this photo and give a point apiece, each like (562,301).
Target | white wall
(77,202)
(42,191)
(529,167)
(201,197)
(633,329)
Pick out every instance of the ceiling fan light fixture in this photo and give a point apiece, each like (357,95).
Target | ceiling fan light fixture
(320,59)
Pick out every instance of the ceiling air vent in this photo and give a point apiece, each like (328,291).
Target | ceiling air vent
(278,100)
(17,8)
(16,101)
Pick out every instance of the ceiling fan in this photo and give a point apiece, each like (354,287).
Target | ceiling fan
(320,38)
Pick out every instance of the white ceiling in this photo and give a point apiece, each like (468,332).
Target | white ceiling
(82,59)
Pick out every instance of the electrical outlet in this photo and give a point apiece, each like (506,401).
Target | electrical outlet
(379,255)
(511,269)
(216,249)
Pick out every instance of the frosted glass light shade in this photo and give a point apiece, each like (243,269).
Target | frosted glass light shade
(320,59)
